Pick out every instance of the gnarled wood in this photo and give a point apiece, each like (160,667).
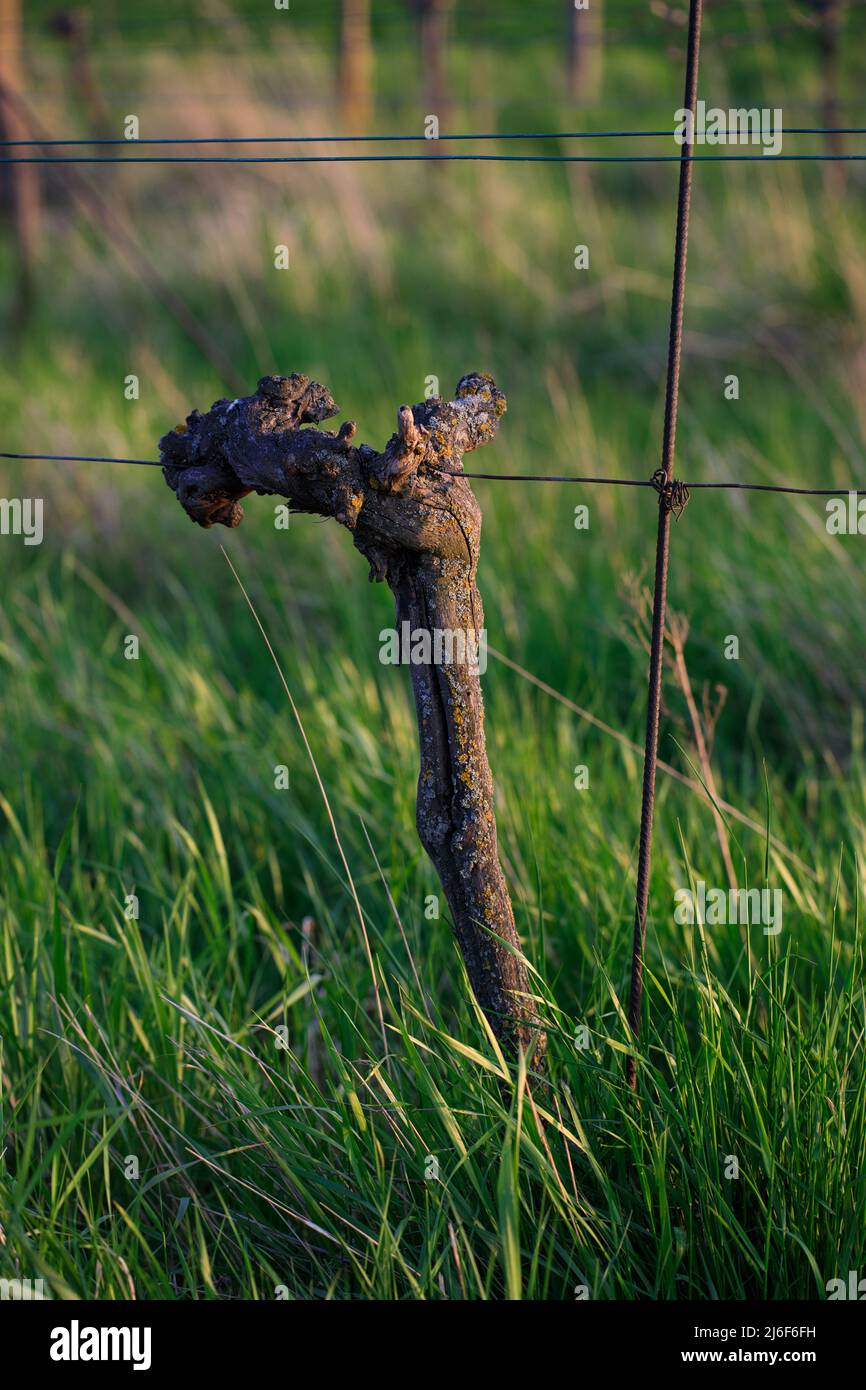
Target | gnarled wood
(414,517)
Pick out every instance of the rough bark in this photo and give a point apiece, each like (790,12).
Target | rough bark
(414,517)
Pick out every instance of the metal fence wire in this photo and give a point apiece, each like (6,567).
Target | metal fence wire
(673,494)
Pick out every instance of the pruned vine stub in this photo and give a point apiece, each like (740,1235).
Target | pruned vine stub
(415,519)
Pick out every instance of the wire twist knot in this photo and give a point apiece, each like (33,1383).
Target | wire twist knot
(673,494)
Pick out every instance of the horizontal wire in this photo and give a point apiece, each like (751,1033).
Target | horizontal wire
(499,477)
(644,482)
(377,139)
(486,42)
(437,159)
(81,458)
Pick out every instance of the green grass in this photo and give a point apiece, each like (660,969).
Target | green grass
(300,1160)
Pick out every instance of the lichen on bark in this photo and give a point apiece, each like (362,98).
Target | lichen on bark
(414,517)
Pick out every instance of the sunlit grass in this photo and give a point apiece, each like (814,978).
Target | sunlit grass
(314,1161)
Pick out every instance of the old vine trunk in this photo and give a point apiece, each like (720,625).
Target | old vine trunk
(414,517)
